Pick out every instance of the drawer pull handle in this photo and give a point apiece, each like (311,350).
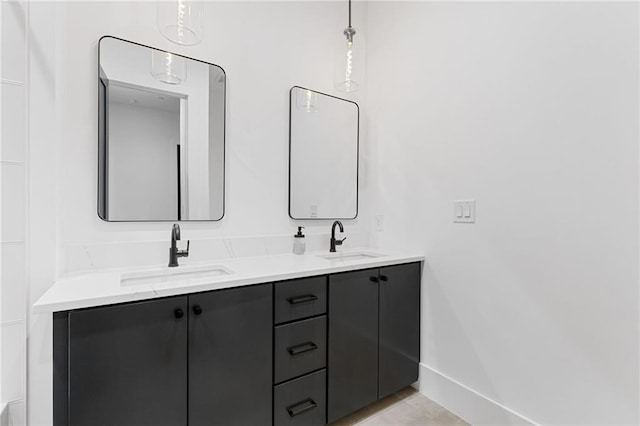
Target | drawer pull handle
(300,349)
(374,279)
(302,299)
(384,278)
(301,407)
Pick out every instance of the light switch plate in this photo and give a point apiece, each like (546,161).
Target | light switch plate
(464,211)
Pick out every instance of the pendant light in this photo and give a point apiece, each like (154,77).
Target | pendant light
(180,21)
(348,54)
(167,67)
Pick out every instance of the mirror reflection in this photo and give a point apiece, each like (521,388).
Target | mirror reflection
(161,135)
(323,156)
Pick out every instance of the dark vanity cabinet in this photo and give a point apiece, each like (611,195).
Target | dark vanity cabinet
(301,352)
(202,359)
(399,327)
(230,364)
(126,364)
(353,342)
(374,335)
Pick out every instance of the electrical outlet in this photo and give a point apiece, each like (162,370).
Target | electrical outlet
(464,211)
(379,220)
(313,211)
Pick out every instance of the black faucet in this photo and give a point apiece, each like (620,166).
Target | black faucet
(335,242)
(174,253)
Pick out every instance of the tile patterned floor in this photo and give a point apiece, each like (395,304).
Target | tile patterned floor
(407,407)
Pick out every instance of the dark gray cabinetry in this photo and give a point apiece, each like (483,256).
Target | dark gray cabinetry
(202,359)
(127,364)
(301,402)
(353,342)
(230,357)
(299,348)
(300,352)
(399,334)
(301,298)
(374,335)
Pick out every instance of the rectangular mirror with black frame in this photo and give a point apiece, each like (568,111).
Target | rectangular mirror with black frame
(161,135)
(323,156)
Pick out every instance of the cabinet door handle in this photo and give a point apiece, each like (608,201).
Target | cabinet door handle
(374,279)
(384,278)
(300,349)
(179,313)
(301,407)
(302,299)
(197,309)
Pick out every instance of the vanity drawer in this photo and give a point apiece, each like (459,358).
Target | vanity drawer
(301,401)
(297,299)
(299,348)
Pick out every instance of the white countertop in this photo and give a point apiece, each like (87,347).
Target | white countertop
(105,288)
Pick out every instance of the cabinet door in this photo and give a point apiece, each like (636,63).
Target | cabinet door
(353,342)
(399,327)
(230,356)
(128,363)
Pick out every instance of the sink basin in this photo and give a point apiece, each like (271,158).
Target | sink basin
(350,256)
(170,275)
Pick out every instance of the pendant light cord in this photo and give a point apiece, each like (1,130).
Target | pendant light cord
(349,32)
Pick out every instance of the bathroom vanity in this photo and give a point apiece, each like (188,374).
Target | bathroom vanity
(295,340)
(278,339)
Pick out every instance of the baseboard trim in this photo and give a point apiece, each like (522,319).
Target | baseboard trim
(465,402)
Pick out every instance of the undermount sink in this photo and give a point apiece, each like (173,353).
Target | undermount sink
(350,256)
(170,275)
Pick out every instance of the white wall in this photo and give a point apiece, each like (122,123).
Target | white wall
(13,247)
(44,224)
(262,61)
(531,109)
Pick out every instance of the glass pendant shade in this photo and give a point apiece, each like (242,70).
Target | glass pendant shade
(180,21)
(168,68)
(307,100)
(348,65)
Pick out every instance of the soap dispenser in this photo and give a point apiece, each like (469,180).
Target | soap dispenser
(298,242)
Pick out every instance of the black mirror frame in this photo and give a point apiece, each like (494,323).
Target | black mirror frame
(103,149)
